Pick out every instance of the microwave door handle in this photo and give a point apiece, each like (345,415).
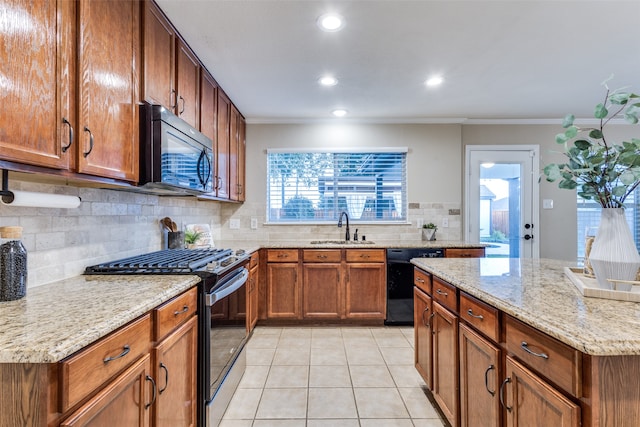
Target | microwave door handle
(199,168)
(204,169)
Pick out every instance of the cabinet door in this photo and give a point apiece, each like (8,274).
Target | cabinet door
(176,377)
(283,291)
(108,93)
(445,362)
(479,380)
(37,69)
(222,145)
(242,158)
(422,317)
(322,291)
(188,84)
(159,57)
(234,139)
(530,401)
(366,296)
(253,298)
(208,105)
(126,401)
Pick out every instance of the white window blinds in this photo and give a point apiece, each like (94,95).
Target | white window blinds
(315,186)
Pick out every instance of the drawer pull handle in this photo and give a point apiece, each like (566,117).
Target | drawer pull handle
(477,316)
(525,347)
(505,382)
(184,310)
(486,380)
(439,292)
(322,256)
(166,377)
(364,256)
(86,153)
(419,280)
(153,398)
(282,255)
(125,351)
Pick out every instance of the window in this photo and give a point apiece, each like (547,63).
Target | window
(316,186)
(589,218)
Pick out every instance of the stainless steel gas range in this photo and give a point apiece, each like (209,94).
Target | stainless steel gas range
(222,305)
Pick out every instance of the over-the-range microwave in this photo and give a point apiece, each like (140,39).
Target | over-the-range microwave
(175,158)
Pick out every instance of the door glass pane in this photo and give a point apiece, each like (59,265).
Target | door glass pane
(500,202)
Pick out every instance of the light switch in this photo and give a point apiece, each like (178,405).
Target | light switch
(234,224)
(445,222)
(547,204)
(254,223)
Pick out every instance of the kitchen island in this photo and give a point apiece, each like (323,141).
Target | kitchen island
(552,356)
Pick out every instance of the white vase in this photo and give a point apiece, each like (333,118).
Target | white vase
(428,234)
(614,254)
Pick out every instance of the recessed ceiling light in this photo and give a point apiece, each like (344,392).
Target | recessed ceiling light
(339,112)
(328,81)
(434,81)
(330,22)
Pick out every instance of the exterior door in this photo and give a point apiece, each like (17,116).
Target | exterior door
(502,199)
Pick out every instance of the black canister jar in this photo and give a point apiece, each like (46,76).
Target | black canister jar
(13,264)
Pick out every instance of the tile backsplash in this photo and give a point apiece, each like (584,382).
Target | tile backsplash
(109,224)
(112,224)
(427,212)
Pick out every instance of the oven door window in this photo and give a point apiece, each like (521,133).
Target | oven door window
(228,334)
(185,163)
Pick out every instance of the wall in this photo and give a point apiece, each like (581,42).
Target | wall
(434,170)
(108,225)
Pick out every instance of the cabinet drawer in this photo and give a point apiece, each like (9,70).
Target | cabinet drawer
(366,255)
(282,255)
(464,253)
(422,280)
(481,316)
(549,357)
(174,313)
(322,255)
(87,370)
(253,261)
(445,294)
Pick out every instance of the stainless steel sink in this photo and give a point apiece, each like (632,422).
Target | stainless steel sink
(341,242)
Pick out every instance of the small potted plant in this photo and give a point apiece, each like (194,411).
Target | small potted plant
(429,231)
(191,236)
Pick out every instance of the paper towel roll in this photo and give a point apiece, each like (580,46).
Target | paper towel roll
(42,200)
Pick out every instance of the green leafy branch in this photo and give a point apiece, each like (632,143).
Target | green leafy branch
(602,171)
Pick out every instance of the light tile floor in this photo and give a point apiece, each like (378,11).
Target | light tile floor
(331,377)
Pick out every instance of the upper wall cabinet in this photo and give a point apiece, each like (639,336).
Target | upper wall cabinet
(171,69)
(108,64)
(159,57)
(41,89)
(36,82)
(236,155)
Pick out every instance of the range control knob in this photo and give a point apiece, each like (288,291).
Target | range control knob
(212,265)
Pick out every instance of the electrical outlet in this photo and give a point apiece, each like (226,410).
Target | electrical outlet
(254,223)
(234,224)
(419,222)
(445,222)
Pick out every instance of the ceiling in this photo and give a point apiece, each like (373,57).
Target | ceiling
(502,61)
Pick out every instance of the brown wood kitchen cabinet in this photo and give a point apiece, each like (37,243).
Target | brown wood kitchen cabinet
(253,292)
(365,287)
(86,59)
(423,309)
(464,252)
(445,361)
(38,122)
(283,296)
(188,84)
(175,361)
(322,289)
(108,88)
(237,130)
(222,146)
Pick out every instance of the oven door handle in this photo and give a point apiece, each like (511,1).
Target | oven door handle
(228,287)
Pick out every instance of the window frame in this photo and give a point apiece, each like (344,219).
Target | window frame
(400,205)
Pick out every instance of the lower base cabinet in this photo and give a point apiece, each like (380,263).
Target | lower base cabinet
(126,401)
(175,374)
(422,307)
(529,401)
(479,380)
(445,362)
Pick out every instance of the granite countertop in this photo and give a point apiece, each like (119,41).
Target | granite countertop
(250,246)
(537,292)
(58,319)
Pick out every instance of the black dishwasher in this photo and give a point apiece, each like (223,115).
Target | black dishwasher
(400,282)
